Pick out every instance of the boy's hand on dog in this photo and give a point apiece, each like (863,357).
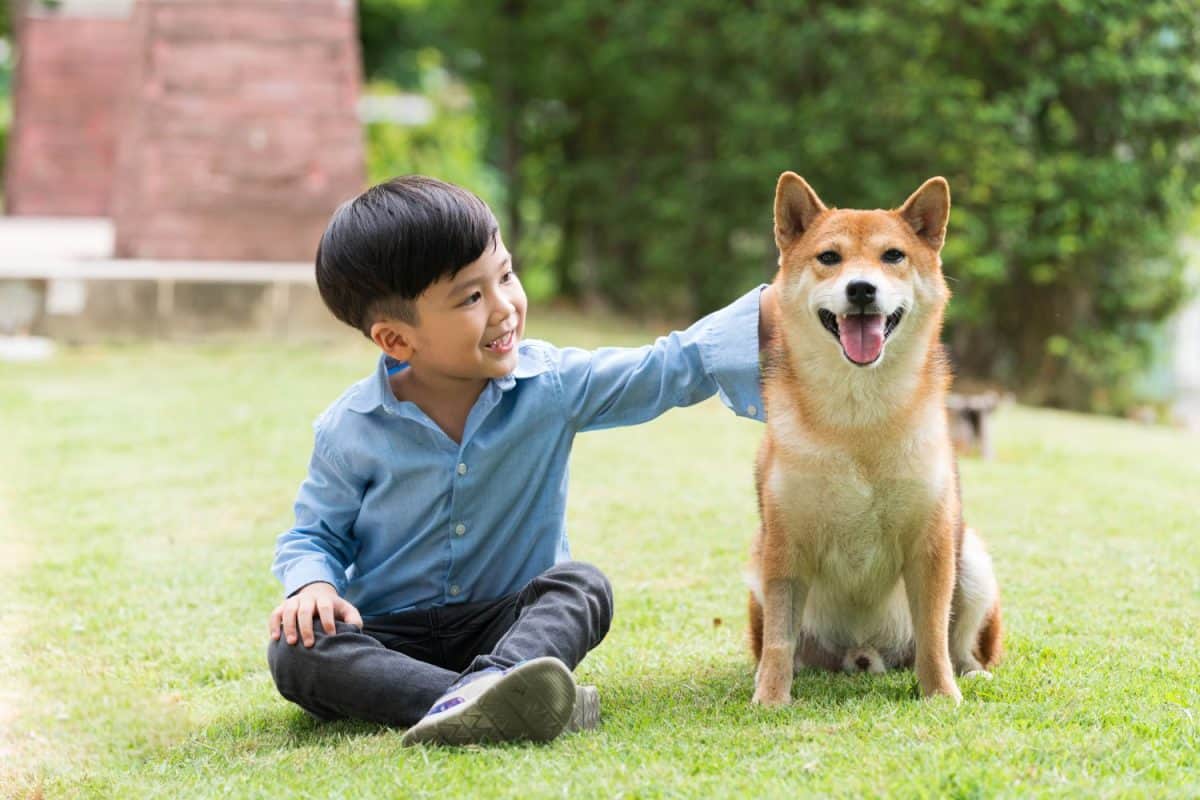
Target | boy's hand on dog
(768,312)
(296,613)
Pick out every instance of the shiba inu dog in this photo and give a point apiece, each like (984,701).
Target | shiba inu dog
(862,561)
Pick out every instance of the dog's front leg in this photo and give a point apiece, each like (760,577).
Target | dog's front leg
(929,583)
(783,609)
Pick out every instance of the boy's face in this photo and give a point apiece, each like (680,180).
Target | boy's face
(468,327)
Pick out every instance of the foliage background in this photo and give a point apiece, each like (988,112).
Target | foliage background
(637,147)
(631,151)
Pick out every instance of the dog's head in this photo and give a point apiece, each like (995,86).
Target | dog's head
(861,279)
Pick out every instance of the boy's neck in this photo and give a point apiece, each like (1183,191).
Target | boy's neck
(445,400)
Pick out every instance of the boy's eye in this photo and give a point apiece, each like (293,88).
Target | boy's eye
(893,256)
(472,299)
(508,277)
(829,258)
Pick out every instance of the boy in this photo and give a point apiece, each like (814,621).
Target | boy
(428,581)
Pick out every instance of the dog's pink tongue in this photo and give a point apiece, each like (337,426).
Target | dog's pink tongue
(862,336)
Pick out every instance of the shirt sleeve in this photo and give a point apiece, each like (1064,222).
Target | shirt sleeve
(321,545)
(616,386)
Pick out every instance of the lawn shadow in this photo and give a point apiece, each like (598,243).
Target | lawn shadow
(720,694)
(287,727)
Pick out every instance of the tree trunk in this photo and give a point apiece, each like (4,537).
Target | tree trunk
(509,107)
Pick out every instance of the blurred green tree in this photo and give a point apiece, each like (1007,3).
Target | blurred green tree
(647,138)
(393,33)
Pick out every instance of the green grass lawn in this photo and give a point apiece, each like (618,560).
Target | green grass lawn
(142,487)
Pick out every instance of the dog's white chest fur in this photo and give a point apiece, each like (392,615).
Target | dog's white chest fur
(853,524)
(853,520)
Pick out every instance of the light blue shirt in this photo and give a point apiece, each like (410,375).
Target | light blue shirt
(397,515)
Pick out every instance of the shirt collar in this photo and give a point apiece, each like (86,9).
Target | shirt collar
(376,391)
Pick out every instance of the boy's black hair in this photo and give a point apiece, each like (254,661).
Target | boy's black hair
(388,245)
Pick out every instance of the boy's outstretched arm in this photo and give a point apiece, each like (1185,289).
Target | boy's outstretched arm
(719,354)
(295,614)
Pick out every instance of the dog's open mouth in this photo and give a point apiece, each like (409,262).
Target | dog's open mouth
(861,335)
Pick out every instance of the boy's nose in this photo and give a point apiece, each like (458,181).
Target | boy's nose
(503,309)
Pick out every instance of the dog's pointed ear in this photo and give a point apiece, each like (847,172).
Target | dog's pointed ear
(796,206)
(927,210)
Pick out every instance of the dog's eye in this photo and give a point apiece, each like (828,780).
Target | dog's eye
(829,258)
(893,256)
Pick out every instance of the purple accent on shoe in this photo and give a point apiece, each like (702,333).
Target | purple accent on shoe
(471,676)
(447,702)
(445,706)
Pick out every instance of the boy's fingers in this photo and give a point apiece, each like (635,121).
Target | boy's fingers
(351,615)
(273,622)
(304,619)
(348,613)
(325,609)
(289,622)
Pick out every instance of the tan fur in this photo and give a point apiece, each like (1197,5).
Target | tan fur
(858,558)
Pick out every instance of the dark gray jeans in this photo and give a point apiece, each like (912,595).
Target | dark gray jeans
(394,668)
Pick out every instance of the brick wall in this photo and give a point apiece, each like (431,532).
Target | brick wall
(62,149)
(241,134)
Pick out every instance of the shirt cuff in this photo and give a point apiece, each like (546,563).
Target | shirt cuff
(731,355)
(301,573)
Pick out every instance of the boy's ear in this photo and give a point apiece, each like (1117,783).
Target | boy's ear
(796,206)
(394,338)
(927,211)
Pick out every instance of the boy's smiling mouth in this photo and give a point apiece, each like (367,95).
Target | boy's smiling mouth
(502,344)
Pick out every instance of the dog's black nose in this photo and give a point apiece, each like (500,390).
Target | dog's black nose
(860,293)
(863,662)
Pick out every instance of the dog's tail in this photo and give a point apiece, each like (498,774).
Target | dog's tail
(756,627)
(989,647)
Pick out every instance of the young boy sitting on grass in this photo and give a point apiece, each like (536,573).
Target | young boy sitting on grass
(428,580)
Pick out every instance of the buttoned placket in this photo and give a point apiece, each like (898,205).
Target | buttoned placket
(461,486)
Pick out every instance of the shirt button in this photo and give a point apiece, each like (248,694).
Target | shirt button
(752,411)
(462,469)
(460,529)
(454,590)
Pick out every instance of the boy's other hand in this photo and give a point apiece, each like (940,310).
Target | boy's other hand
(296,613)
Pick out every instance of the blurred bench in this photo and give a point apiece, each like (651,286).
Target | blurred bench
(279,276)
(970,425)
(47,262)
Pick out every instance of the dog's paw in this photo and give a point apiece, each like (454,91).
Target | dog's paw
(977,674)
(770,699)
(943,694)
(966,665)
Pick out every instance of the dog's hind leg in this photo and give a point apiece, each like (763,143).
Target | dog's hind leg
(975,620)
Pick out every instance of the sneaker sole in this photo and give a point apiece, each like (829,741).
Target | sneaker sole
(532,703)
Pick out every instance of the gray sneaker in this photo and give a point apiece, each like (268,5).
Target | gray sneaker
(586,716)
(532,701)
